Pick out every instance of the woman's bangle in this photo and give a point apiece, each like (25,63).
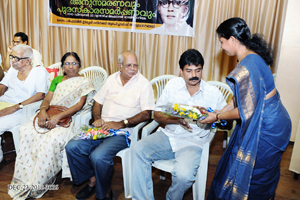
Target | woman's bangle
(55,118)
(43,107)
(217,116)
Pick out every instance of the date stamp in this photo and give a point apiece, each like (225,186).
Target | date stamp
(33,187)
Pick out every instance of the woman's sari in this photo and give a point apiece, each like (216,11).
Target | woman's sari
(250,166)
(39,157)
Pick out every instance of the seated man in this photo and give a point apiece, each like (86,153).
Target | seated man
(174,141)
(21,86)
(125,100)
(22,38)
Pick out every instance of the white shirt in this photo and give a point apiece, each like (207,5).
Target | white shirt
(176,91)
(123,102)
(18,91)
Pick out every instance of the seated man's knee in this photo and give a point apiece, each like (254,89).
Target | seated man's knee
(184,176)
(71,146)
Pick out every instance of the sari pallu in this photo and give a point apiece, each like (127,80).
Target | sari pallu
(250,166)
(40,156)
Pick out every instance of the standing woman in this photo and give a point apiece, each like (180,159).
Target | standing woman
(250,166)
(40,154)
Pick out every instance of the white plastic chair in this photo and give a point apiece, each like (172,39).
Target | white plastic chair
(159,83)
(199,185)
(97,74)
(27,112)
(227,94)
(123,154)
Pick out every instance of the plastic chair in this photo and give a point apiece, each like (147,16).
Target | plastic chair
(199,185)
(56,69)
(123,154)
(159,83)
(97,74)
(227,94)
(27,112)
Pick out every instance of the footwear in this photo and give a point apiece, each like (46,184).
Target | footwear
(86,192)
(107,198)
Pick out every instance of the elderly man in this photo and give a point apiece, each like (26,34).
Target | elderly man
(22,38)
(22,85)
(125,100)
(175,141)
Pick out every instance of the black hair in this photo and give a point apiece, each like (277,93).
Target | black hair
(238,28)
(23,36)
(70,54)
(191,57)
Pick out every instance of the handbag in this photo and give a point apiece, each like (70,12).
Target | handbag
(54,110)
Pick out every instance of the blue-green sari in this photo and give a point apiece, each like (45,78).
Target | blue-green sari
(250,166)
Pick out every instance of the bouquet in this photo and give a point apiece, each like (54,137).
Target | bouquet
(190,112)
(94,133)
(185,111)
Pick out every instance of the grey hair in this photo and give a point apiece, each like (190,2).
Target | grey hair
(121,58)
(28,52)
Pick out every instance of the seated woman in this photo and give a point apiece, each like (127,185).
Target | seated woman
(39,157)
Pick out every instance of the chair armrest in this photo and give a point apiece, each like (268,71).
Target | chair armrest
(83,118)
(149,128)
(30,110)
(135,132)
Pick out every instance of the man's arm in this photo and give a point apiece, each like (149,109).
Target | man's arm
(141,117)
(3,89)
(164,118)
(6,64)
(9,110)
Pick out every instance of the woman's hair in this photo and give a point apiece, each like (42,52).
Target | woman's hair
(191,57)
(70,54)
(238,28)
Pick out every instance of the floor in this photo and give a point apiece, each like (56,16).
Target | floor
(288,188)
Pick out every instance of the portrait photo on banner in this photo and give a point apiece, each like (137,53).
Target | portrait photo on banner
(142,16)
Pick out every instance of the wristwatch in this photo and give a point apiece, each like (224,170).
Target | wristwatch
(125,122)
(21,106)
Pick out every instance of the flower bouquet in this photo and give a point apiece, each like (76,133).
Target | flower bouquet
(185,111)
(94,133)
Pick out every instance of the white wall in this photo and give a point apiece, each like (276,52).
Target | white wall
(288,72)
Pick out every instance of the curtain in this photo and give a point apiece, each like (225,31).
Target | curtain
(157,54)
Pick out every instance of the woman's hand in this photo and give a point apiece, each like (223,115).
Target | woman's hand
(43,118)
(52,122)
(211,118)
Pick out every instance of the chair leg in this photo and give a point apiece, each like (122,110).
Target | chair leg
(225,139)
(296,176)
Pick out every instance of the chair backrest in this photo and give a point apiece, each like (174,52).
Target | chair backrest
(55,70)
(159,83)
(97,74)
(224,88)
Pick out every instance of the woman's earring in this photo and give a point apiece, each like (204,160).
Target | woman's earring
(233,45)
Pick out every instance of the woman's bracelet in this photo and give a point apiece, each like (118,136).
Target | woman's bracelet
(217,116)
(43,107)
(55,118)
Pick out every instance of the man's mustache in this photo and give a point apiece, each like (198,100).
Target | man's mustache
(194,78)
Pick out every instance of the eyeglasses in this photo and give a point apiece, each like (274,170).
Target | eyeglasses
(17,59)
(129,65)
(67,64)
(176,4)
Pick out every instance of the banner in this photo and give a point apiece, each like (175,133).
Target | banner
(143,16)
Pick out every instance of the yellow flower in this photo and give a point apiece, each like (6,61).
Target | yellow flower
(194,116)
(190,115)
(183,109)
(95,137)
(181,113)
(176,107)
(89,129)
